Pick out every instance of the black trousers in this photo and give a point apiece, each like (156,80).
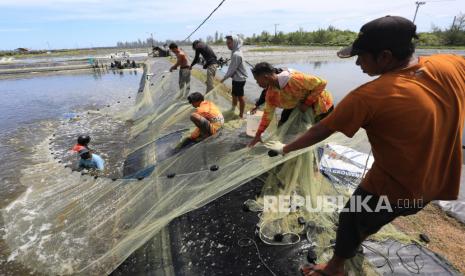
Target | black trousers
(356,225)
(287,112)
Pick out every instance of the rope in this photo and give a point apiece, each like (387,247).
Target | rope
(248,243)
(250,64)
(204,21)
(385,257)
(366,165)
(408,267)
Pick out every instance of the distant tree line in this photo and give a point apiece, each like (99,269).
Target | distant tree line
(452,36)
(148,43)
(327,37)
(137,44)
(331,36)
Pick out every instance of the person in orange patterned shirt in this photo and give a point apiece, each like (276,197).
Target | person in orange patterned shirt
(289,89)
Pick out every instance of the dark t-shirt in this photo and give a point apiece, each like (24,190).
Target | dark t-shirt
(206,52)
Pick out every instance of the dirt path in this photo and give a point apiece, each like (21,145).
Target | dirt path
(447,235)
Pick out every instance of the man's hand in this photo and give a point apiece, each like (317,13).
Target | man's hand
(183,143)
(303,107)
(190,67)
(222,80)
(253,110)
(172,68)
(276,146)
(255,140)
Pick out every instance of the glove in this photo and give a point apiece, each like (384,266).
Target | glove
(275,146)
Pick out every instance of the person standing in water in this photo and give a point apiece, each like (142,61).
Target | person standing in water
(82,143)
(90,160)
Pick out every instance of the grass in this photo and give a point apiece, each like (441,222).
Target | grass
(446,233)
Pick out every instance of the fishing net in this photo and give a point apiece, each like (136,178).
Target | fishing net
(69,223)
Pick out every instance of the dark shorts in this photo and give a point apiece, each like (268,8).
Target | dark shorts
(238,88)
(355,226)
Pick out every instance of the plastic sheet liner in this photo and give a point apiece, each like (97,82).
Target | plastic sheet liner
(391,257)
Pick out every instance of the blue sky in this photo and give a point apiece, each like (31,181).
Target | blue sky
(90,23)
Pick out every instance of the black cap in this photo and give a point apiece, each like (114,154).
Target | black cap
(83,139)
(385,33)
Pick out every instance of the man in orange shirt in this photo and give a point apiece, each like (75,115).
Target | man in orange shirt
(208,119)
(413,115)
(184,69)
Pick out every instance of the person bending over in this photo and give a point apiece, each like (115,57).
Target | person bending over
(211,63)
(289,90)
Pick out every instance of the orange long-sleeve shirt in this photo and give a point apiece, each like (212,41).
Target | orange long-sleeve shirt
(299,87)
(212,113)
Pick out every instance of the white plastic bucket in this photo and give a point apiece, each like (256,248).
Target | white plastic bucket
(253,121)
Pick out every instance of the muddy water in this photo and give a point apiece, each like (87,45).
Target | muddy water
(59,108)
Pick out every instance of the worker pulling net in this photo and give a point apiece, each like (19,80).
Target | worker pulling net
(68,223)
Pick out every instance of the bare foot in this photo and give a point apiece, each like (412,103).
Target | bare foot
(320,270)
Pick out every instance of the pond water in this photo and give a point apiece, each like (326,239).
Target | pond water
(47,97)
(68,105)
